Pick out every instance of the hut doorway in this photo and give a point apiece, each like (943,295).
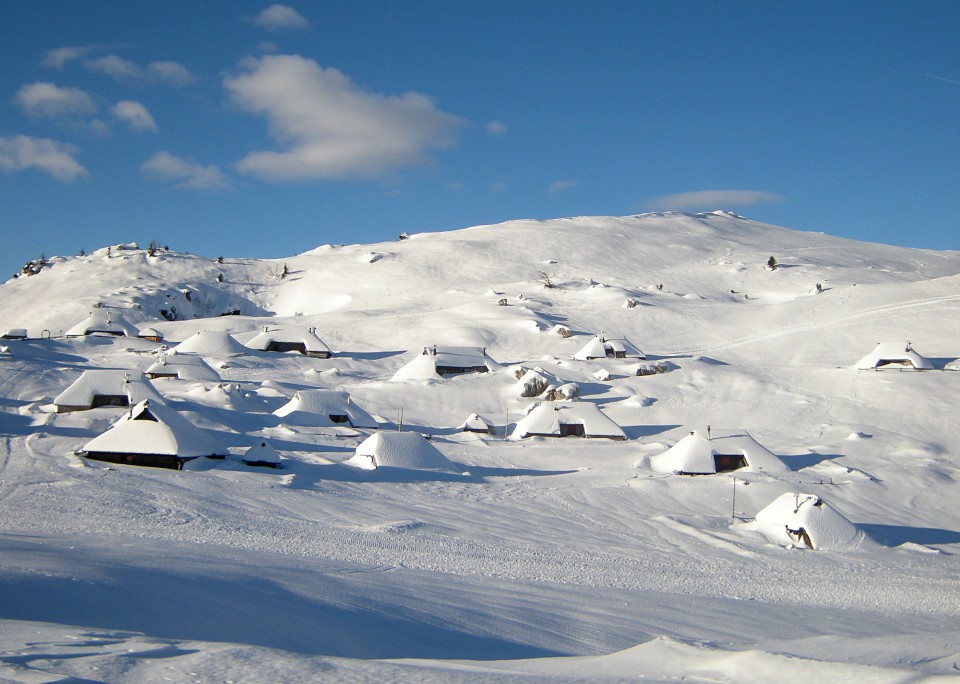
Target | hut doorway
(572,430)
(725,463)
(109,400)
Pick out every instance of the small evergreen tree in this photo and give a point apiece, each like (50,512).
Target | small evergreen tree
(772,264)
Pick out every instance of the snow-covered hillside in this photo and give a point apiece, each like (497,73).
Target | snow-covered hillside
(520,559)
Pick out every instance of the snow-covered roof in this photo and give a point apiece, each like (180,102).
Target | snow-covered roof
(895,356)
(805,520)
(321,407)
(695,454)
(14,334)
(437,360)
(103,321)
(307,337)
(601,347)
(93,383)
(458,357)
(150,332)
(555,419)
(155,428)
(185,367)
(476,423)
(261,453)
(408,450)
(211,343)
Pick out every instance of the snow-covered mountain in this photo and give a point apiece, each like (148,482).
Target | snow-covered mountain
(526,551)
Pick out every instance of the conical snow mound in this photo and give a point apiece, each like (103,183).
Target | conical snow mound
(408,450)
(805,521)
(211,343)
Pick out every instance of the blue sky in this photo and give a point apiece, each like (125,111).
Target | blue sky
(251,129)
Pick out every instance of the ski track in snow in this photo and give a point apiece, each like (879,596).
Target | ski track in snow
(847,319)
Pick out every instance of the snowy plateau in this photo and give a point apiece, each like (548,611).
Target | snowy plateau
(488,556)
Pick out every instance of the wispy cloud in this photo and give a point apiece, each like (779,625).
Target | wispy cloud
(50,101)
(54,158)
(280,17)
(941,78)
(561,186)
(171,73)
(115,67)
(496,128)
(120,69)
(56,59)
(711,199)
(164,166)
(135,115)
(331,127)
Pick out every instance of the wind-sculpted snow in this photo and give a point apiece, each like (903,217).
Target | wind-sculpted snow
(540,559)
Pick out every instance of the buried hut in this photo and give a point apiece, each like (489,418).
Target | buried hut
(99,387)
(211,343)
(183,367)
(890,355)
(154,435)
(262,455)
(805,521)
(699,454)
(325,408)
(282,340)
(103,322)
(150,334)
(446,361)
(408,450)
(476,423)
(566,419)
(601,347)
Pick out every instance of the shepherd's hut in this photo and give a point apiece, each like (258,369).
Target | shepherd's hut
(888,355)
(601,347)
(283,340)
(96,388)
(719,451)
(154,435)
(325,408)
(566,419)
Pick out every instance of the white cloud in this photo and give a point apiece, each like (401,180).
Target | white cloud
(331,127)
(134,115)
(172,73)
(164,166)
(712,199)
(98,127)
(55,158)
(278,17)
(496,128)
(50,101)
(267,47)
(561,185)
(114,66)
(55,59)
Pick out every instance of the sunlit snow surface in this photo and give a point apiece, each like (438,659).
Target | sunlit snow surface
(537,559)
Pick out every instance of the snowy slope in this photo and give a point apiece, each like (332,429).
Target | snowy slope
(533,559)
